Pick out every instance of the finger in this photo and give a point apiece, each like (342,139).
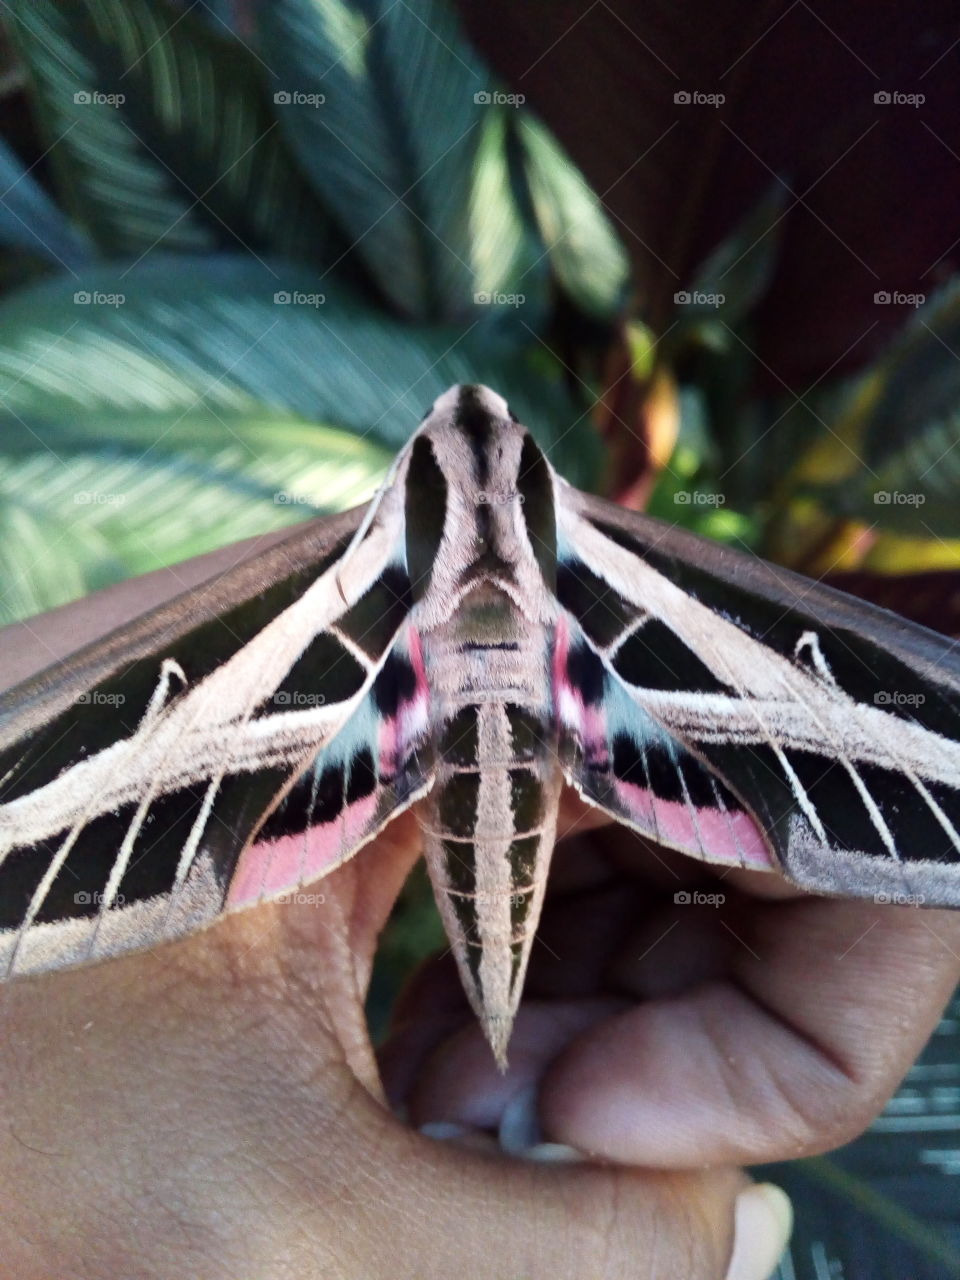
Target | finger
(826,1006)
(601,888)
(577,938)
(430,1009)
(437,1065)
(459,1081)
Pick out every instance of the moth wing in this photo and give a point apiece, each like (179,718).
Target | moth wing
(137,778)
(833,724)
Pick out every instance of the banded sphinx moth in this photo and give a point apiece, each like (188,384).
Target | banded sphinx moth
(478,635)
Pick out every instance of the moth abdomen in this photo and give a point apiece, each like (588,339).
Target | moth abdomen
(489,825)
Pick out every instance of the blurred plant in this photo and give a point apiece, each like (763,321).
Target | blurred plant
(246,266)
(233,225)
(792,354)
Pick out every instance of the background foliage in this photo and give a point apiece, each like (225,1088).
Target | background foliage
(244,245)
(246,267)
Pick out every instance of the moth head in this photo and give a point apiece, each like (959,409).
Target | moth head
(477,473)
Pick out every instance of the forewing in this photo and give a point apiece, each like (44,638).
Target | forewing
(833,723)
(134,776)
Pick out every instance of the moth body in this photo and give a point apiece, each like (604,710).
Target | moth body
(489,820)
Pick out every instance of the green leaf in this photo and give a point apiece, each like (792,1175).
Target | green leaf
(896,442)
(228,336)
(36,573)
(79,512)
(160,132)
(691,491)
(191,387)
(511,269)
(377,97)
(739,269)
(30,220)
(585,251)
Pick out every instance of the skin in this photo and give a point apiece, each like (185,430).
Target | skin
(214,1108)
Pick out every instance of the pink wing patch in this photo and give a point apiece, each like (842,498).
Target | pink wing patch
(337,806)
(584,718)
(274,865)
(604,764)
(727,836)
(271,866)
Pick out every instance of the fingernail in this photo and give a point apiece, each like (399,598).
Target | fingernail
(763,1220)
(519,1125)
(520,1133)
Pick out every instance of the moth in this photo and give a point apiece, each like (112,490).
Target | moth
(477,636)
